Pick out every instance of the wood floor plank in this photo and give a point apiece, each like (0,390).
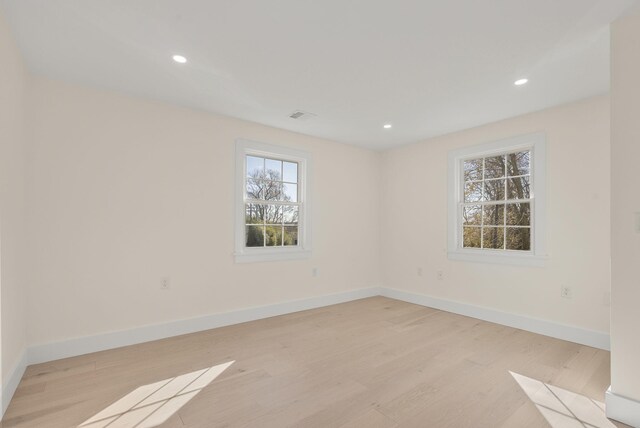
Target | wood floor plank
(370,419)
(370,363)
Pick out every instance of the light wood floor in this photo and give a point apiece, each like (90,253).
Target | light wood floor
(371,363)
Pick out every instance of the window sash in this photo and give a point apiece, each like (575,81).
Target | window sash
(249,254)
(266,202)
(535,143)
(276,202)
(482,203)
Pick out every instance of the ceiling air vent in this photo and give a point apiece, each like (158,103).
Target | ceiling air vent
(301,115)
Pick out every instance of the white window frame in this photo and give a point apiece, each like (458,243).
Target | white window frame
(245,254)
(537,255)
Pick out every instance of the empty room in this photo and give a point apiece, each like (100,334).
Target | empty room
(297,213)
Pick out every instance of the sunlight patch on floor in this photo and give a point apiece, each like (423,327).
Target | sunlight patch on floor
(562,408)
(151,405)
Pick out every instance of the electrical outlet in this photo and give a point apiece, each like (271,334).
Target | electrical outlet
(165,283)
(315,272)
(566,292)
(419,271)
(440,275)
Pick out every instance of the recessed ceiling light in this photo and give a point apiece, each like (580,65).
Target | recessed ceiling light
(179,59)
(520,82)
(387,126)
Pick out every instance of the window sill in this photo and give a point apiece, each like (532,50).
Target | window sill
(499,258)
(269,255)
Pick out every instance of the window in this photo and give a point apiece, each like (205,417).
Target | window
(272,209)
(496,201)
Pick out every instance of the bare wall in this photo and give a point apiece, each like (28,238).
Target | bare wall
(124,192)
(625,206)
(414,221)
(13,81)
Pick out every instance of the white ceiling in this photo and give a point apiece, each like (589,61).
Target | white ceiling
(427,67)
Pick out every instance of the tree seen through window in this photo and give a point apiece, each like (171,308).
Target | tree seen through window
(271,202)
(496,207)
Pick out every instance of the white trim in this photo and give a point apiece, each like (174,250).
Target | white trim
(537,144)
(570,333)
(84,345)
(303,158)
(13,379)
(622,409)
(499,258)
(272,256)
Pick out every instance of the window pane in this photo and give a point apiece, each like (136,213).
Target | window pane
(274,169)
(254,213)
(273,236)
(494,167)
(255,166)
(519,238)
(472,215)
(493,215)
(472,169)
(290,193)
(472,192)
(255,236)
(494,190)
(273,214)
(290,235)
(255,189)
(471,237)
(272,190)
(518,163)
(290,214)
(519,214)
(271,175)
(290,172)
(493,237)
(518,188)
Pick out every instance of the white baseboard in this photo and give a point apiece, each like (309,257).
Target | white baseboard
(84,345)
(579,335)
(9,387)
(100,342)
(622,409)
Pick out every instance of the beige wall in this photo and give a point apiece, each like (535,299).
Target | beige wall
(124,192)
(414,224)
(12,153)
(625,201)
